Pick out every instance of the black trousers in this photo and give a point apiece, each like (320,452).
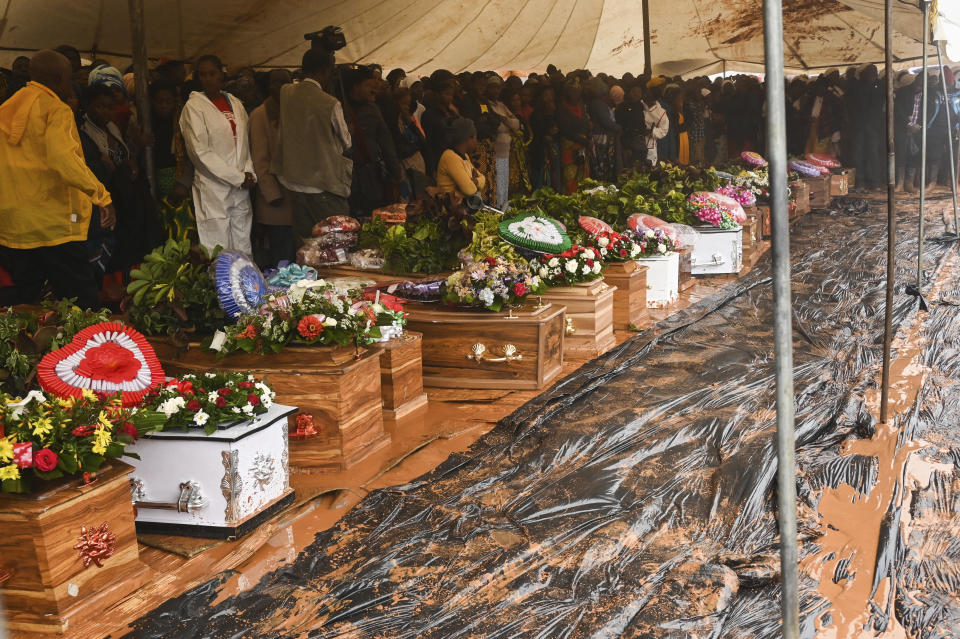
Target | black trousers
(64,266)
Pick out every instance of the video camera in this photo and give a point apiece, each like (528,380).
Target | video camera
(329,38)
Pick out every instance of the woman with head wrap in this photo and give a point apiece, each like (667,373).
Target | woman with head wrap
(455,172)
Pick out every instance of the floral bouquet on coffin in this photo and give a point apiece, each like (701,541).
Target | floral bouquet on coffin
(575,265)
(311,312)
(43,437)
(756,180)
(204,401)
(743,195)
(492,283)
(614,247)
(713,211)
(653,243)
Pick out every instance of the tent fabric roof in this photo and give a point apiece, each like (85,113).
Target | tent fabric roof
(687,36)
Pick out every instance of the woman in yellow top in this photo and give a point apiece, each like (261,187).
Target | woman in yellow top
(455,172)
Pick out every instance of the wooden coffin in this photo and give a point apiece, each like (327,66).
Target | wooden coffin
(452,338)
(589,317)
(380,277)
(401,375)
(43,581)
(750,235)
(685,274)
(630,296)
(851,177)
(801,196)
(839,184)
(329,382)
(819,191)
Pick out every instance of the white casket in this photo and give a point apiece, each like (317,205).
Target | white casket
(717,251)
(221,485)
(663,279)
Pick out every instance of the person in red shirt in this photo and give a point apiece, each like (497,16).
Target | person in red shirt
(215,134)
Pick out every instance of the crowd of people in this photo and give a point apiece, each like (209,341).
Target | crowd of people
(251,160)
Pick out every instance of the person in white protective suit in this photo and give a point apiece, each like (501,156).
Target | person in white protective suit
(215,133)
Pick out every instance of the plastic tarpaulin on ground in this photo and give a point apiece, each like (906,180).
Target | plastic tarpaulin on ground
(687,36)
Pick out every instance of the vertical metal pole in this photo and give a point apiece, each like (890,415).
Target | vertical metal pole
(923,144)
(647,45)
(947,106)
(138,47)
(782,317)
(891,213)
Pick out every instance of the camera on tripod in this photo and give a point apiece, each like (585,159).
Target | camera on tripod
(329,38)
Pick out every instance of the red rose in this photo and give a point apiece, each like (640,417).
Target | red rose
(623,252)
(45,460)
(193,405)
(245,385)
(568,254)
(590,263)
(221,402)
(223,392)
(186,386)
(129,429)
(492,261)
(253,399)
(83,431)
(519,289)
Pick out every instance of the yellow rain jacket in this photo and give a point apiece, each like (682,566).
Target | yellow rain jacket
(46,190)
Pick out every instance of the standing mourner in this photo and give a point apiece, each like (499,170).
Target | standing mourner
(272,203)
(214,126)
(605,133)
(171,166)
(657,122)
(575,128)
(503,143)
(545,148)
(314,144)
(48,190)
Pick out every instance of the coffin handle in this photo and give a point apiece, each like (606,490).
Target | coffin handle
(190,499)
(718,259)
(570,328)
(478,353)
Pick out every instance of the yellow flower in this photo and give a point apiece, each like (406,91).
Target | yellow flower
(6,449)
(101,439)
(9,472)
(89,395)
(42,426)
(105,420)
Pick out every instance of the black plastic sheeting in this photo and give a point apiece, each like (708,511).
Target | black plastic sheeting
(634,499)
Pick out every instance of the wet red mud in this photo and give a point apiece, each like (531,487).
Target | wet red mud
(635,498)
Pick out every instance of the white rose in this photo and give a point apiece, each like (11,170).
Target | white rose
(661,248)
(634,250)
(589,254)
(486,296)
(572,266)
(650,234)
(603,241)
(329,322)
(543,271)
(200,418)
(596,268)
(553,262)
(587,270)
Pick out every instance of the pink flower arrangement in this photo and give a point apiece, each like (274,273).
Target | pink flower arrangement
(742,195)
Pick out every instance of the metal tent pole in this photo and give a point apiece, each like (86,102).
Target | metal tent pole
(138,47)
(891,213)
(782,318)
(946,106)
(647,45)
(923,144)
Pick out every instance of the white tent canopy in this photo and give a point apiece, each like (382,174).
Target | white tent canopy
(687,36)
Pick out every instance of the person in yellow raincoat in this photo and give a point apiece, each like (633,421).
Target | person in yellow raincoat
(48,190)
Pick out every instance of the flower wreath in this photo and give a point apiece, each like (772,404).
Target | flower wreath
(536,233)
(804,168)
(106,358)
(710,208)
(753,158)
